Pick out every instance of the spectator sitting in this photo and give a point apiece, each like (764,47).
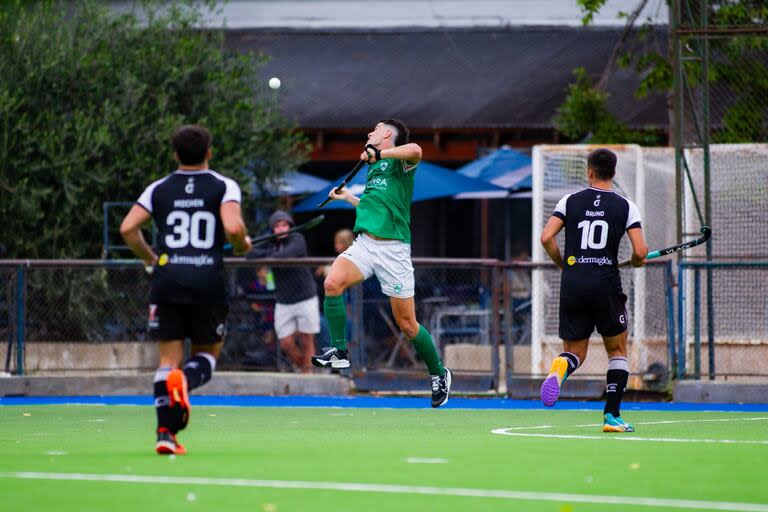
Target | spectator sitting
(297,310)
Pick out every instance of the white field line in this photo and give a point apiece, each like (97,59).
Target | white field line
(663,422)
(622,437)
(668,422)
(507,431)
(398,489)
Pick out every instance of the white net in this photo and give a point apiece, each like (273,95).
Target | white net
(739,199)
(646,177)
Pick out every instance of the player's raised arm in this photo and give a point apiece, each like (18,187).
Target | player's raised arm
(130,229)
(409,153)
(234,228)
(549,240)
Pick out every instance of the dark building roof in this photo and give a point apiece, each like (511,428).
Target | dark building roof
(458,78)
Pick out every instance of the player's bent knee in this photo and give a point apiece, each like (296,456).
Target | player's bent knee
(409,326)
(333,286)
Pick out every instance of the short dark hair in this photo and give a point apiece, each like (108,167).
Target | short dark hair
(603,162)
(191,143)
(403,135)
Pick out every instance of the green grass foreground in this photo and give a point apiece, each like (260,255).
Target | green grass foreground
(443,449)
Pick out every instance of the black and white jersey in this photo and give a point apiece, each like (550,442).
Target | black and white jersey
(595,221)
(185,207)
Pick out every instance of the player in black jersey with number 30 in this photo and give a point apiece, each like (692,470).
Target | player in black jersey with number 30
(194,209)
(591,296)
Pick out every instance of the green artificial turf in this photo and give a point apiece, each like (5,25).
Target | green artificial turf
(376,446)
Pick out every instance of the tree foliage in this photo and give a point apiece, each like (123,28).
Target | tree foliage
(738,76)
(89,99)
(584,116)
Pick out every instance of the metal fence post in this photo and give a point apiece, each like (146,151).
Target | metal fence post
(710,322)
(696,323)
(357,327)
(681,320)
(105,231)
(20,317)
(496,302)
(509,363)
(669,281)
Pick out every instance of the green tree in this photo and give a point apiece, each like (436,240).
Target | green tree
(738,75)
(89,99)
(584,116)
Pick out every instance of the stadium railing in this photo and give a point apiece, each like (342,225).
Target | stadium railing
(87,316)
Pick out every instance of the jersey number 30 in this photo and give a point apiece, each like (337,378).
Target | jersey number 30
(197,229)
(589,234)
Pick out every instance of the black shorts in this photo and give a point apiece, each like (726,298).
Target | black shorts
(201,323)
(581,314)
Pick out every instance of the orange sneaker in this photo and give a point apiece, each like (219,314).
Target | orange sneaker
(167,443)
(179,397)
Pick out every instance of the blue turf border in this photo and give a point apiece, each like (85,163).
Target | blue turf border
(369,402)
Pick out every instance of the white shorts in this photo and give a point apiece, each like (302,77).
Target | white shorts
(302,317)
(388,260)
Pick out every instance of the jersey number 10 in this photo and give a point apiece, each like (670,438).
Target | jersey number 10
(589,234)
(188,229)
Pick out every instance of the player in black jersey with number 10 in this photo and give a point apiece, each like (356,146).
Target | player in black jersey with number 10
(591,296)
(194,210)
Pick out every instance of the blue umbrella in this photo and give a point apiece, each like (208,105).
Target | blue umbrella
(294,183)
(432,182)
(504,167)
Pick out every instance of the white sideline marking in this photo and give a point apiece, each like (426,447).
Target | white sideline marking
(507,432)
(417,460)
(667,422)
(622,437)
(398,489)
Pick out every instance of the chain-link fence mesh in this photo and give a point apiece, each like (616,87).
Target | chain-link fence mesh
(730,39)
(453,303)
(739,320)
(84,317)
(76,318)
(7,318)
(739,188)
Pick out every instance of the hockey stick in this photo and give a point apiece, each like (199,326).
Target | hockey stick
(271,236)
(296,229)
(706,233)
(353,172)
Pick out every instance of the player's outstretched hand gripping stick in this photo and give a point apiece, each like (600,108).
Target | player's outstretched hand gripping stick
(706,233)
(352,173)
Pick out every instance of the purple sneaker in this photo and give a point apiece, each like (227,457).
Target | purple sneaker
(550,389)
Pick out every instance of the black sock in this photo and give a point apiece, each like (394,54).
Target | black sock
(616,383)
(164,416)
(573,361)
(199,369)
